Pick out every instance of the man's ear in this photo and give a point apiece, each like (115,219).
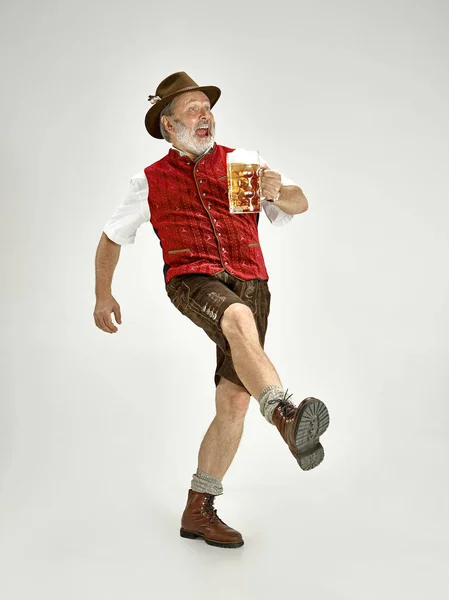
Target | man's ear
(167,123)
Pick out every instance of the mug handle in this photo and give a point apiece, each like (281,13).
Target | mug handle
(259,171)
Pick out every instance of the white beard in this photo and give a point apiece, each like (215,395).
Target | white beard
(190,141)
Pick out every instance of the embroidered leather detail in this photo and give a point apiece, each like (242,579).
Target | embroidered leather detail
(217,298)
(176,251)
(210,312)
(256,244)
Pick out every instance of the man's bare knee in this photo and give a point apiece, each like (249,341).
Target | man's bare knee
(231,401)
(237,319)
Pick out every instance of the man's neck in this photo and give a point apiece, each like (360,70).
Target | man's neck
(194,157)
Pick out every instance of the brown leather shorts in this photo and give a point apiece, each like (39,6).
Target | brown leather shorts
(204,298)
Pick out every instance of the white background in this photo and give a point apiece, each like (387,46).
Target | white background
(100,433)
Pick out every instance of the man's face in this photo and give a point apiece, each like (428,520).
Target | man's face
(192,125)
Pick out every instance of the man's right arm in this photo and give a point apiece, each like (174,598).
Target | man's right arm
(106,259)
(119,230)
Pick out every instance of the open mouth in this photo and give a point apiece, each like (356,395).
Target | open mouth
(202,131)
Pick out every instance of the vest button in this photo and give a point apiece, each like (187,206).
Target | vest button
(201,181)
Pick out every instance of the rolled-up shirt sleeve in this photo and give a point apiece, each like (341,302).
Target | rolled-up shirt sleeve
(131,213)
(275,215)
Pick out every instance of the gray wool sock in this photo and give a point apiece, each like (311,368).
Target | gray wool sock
(206,484)
(270,392)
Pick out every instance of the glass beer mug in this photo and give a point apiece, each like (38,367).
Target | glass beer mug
(244,185)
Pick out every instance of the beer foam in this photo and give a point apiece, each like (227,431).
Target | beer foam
(240,155)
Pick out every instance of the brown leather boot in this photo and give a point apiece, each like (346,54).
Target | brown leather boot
(200,519)
(301,428)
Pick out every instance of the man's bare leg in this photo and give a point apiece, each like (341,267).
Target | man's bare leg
(251,364)
(216,453)
(302,426)
(222,439)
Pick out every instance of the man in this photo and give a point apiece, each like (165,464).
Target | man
(215,274)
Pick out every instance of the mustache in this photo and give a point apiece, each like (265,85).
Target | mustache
(202,124)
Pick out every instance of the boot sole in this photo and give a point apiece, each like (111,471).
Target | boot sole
(312,423)
(192,536)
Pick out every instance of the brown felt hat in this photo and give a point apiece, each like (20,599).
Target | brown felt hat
(172,86)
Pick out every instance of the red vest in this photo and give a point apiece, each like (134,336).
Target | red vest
(189,211)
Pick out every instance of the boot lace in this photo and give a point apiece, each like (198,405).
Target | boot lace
(210,510)
(286,405)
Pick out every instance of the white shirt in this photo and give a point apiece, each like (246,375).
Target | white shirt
(134,211)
